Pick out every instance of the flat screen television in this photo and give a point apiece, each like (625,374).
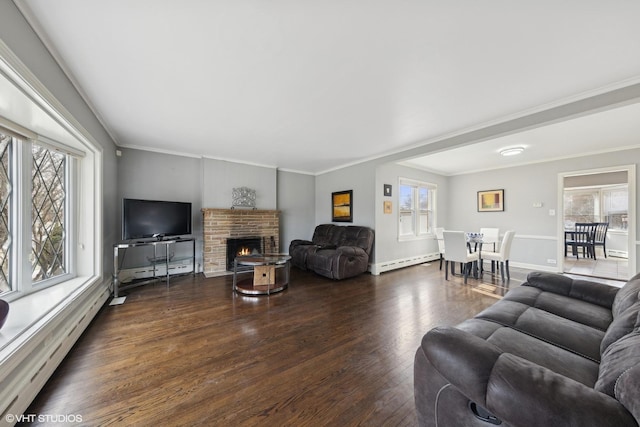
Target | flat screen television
(154,218)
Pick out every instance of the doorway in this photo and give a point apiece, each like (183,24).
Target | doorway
(605,196)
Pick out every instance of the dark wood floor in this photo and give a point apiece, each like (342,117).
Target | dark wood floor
(319,353)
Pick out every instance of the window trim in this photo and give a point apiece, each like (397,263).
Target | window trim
(433,191)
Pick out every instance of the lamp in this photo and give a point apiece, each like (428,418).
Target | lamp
(511,151)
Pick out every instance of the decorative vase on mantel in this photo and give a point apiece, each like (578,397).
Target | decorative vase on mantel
(4,312)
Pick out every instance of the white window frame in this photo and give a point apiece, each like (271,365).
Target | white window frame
(417,233)
(53,126)
(21,220)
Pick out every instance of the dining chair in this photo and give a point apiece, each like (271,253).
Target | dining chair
(600,237)
(455,243)
(502,256)
(440,239)
(490,236)
(581,236)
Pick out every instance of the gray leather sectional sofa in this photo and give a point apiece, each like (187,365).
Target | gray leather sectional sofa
(553,352)
(334,251)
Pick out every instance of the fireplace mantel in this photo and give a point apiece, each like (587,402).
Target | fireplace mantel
(221,224)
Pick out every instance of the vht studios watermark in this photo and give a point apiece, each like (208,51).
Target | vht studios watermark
(43,418)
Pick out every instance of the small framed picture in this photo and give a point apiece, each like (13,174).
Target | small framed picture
(388,207)
(387,190)
(491,201)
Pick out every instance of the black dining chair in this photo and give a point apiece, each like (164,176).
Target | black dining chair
(581,236)
(600,237)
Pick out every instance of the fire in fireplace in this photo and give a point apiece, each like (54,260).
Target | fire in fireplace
(242,246)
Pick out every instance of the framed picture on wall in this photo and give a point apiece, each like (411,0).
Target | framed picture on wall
(342,206)
(491,201)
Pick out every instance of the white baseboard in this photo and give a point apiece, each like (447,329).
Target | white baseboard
(381,267)
(617,254)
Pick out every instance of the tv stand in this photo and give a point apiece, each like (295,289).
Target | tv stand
(161,258)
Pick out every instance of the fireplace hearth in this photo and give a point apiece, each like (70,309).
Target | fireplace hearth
(242,246)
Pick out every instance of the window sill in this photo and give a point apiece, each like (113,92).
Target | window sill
(27,312)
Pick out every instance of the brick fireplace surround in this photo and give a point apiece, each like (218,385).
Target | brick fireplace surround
(221,224)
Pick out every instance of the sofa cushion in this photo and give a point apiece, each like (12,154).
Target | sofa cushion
(627,296)
(328,235)
(577,310)
(572,336)
(622,325)
(622,355)
(584,290)
(322,261)
(361,237)
(553,357)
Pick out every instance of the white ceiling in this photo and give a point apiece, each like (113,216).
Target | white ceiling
(314,85)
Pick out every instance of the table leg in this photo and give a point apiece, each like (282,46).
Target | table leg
(235,274)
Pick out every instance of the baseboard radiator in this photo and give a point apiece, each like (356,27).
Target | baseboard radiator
(381,267)
(26,370)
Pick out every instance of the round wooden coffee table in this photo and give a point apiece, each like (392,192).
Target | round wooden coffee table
(270,274)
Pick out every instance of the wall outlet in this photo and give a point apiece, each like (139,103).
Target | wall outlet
(551,261)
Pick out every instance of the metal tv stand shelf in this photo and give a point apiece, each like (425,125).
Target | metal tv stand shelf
(161,258)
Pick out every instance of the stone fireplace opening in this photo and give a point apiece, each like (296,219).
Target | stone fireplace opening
(242,246)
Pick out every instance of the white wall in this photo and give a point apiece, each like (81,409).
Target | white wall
(220,177)
(359,178)
(297,204)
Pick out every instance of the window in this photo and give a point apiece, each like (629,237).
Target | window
(6,143)
(416,209)
(597,204)
(34,184)
(48,195)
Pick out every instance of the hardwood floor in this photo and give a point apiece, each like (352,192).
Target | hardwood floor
(319,353)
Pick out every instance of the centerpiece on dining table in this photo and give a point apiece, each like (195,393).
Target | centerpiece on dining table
(474,237)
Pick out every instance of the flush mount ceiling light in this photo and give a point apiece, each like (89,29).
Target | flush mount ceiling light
(512,151)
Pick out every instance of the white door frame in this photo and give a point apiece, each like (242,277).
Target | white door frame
(631,238)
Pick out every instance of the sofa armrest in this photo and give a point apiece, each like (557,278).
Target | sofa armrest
(463,359)
(592,292)
(523,393)
(300,242)
(516,390)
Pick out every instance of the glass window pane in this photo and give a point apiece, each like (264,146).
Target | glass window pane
(48,213)
(580,206)
(615,209)
(407,210)
(5,213)
(424,202)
